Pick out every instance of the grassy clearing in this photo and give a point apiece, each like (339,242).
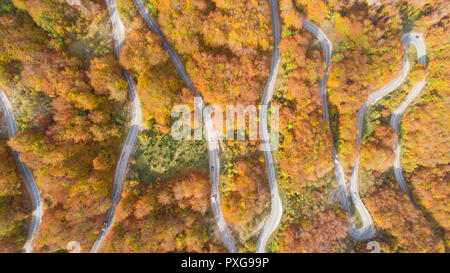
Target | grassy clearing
(160,156)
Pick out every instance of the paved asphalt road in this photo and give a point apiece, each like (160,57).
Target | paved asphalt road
(33,190)
(418,42)
(121,168)
(213,144)
(276,211)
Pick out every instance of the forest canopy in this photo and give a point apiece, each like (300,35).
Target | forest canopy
(71,103)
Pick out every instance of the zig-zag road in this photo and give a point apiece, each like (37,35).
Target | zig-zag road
(368,229)
(419,43)
(213,144)
(119,176)
(33,190)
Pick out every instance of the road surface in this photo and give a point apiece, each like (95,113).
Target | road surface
(419,44)
(213,143)
(121,168)
(276,207)
(33,190)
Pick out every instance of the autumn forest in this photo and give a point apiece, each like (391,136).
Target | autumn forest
(65,82)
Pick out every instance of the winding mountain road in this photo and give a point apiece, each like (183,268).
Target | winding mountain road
(121,168)
(418,42)
(213,143)
(276,207)
(33,190)
(367,230)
